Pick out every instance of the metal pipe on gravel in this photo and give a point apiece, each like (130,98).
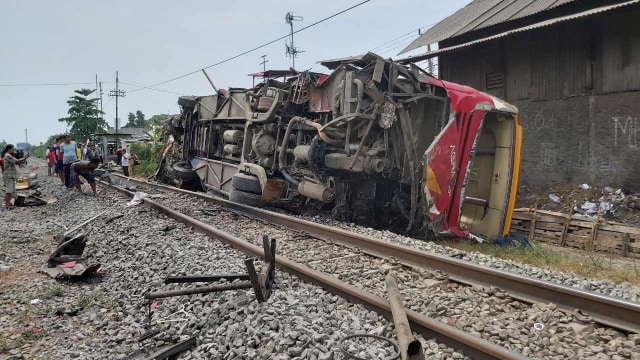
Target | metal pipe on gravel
(474,347)
(606,310)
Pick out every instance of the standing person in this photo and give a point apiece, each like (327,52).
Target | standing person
(119,154)
(59,168)
(124,162)
(51,159)
(69,156)
(101,154)
(10,174)
(85,169)
(92,153)
(132,163)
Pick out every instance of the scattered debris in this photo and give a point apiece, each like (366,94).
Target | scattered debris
(61,312)
(261,284)
(169,228)
(78,227)
(173,350)
(6,267)
(35,301)
(67,261)
(111,219)
(585,200)
(538,326)
(137,198)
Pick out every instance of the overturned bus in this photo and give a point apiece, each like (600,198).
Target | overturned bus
(375,142)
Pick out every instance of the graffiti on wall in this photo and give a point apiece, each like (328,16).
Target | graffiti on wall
(554,118)
(625,130)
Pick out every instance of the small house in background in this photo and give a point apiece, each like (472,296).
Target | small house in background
(112,141)
(571,67)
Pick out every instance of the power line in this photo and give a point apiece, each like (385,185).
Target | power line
(141,86)
(257,47)
(50,84)
(401,38)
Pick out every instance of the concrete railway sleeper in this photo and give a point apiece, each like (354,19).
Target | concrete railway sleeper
(474,347)
(605,310)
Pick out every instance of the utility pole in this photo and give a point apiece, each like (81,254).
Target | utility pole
(26,136)
(264,63)
(97,113)
(117,93)
(101,112)
(292,51)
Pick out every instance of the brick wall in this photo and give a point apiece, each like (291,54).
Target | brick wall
(592,139)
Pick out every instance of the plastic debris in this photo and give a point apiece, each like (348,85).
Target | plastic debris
(585,187)
(137,198)
(538,326)
(35,301)
(589,207)
(6,267)
(513,241)
(555,198)
(608,190)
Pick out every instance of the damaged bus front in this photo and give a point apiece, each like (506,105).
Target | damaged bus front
(374,142)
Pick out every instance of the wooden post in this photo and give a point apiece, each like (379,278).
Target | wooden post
(533,221)
(625,244)
(565,229)
(410,348)
(594,232)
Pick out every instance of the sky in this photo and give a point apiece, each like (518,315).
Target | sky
(151,41)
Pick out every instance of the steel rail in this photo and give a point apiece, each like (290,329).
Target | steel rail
(474,347)
(605,310)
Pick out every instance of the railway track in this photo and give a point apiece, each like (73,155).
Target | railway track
(605,310)
(327,252)
(472,346)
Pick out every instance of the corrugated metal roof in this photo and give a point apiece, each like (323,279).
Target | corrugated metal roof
(549,22)
(480,14)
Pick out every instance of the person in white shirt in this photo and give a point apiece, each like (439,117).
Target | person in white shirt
(125,162)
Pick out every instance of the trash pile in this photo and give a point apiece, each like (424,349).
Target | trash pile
(621,205)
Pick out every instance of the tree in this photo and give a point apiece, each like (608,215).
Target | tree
(84,118)
(155,122)
(131,120)
(139,119)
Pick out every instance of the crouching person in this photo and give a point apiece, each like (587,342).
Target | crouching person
(85,169)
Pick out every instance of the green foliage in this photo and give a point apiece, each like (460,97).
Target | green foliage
(39,151)
(84,118)
(149,155)
(155,122)
(131,120)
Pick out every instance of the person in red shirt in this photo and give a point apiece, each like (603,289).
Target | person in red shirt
(51,158)
(58,156)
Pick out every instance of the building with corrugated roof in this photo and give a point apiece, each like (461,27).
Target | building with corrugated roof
(572,68)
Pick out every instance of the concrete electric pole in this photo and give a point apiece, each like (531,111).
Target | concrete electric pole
(117,93)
